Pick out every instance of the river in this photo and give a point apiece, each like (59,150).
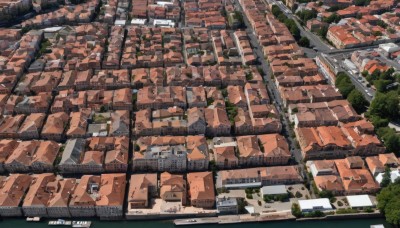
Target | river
(352,223)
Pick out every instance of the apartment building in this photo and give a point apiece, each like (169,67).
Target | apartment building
(32,156)
(12,191)
(83,199)
(111,194)
(142,187)
(173,188)
(201,189)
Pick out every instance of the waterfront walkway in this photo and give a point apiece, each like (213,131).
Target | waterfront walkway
(230,219)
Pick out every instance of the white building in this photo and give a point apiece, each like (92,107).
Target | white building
(120,22)
(360,201)
(138,21)
(393,176)
(163,23)
(274,190)
(389,48)
(311,205)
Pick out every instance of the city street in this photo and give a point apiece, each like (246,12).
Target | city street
(274,93)
(315,41)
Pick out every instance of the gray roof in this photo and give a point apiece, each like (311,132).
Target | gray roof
(72,151)
(223,202)
(274,190)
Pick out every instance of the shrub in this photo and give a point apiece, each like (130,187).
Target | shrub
(346,211)
(298,194)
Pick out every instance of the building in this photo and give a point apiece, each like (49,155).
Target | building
(355,177)
(38,195)
(142,188)
(226,205)
(274,190)
(312,205)
(201,189)
(394,176)
(33,156)
(257,177)
(218,123)
(62,189)
(12,191)
(111,195)
(71,156)
(173,188)
(360,202)
(83,200)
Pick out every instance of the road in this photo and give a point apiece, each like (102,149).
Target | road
(274,93)
(315,40)
(337,61)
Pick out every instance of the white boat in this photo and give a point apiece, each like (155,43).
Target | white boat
(33,219)
(85,224)
(60,222)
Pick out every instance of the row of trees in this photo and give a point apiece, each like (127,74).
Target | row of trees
(383,109)
(306,15)
(385,106)
(348,90)
(290,23)
(381,80)
(389,202)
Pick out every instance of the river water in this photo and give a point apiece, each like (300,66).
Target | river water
(353,223)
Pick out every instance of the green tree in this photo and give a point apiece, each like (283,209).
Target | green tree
(386,178)
(325,194)
(387,75)
(296,210)
(304,42)
(378,121)
(322,32)
(276,11)
(332,18)
(382,24)
(389,203)
(361,2)
(392,143)
(295,32)
(358,101)
(381,85)
(306,15)
(344,84)
(385,105)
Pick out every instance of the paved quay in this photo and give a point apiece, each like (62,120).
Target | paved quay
(231,219)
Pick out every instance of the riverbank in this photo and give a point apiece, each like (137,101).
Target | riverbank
(351,223)
(270,217)
(232,219)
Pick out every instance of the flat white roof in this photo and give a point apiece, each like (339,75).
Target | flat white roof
(120,22)
(163,22)
(359,201)
(393,176)
(243,185)
(53,29)
(273,190)
(388,45)
(164,3)
(137,21)
(378,226)
(315,204)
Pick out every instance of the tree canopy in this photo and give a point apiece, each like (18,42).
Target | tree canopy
(385,105)
(389,203)
(358,101)
(344,84)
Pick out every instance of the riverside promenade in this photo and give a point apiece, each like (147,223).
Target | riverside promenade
(231,219)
